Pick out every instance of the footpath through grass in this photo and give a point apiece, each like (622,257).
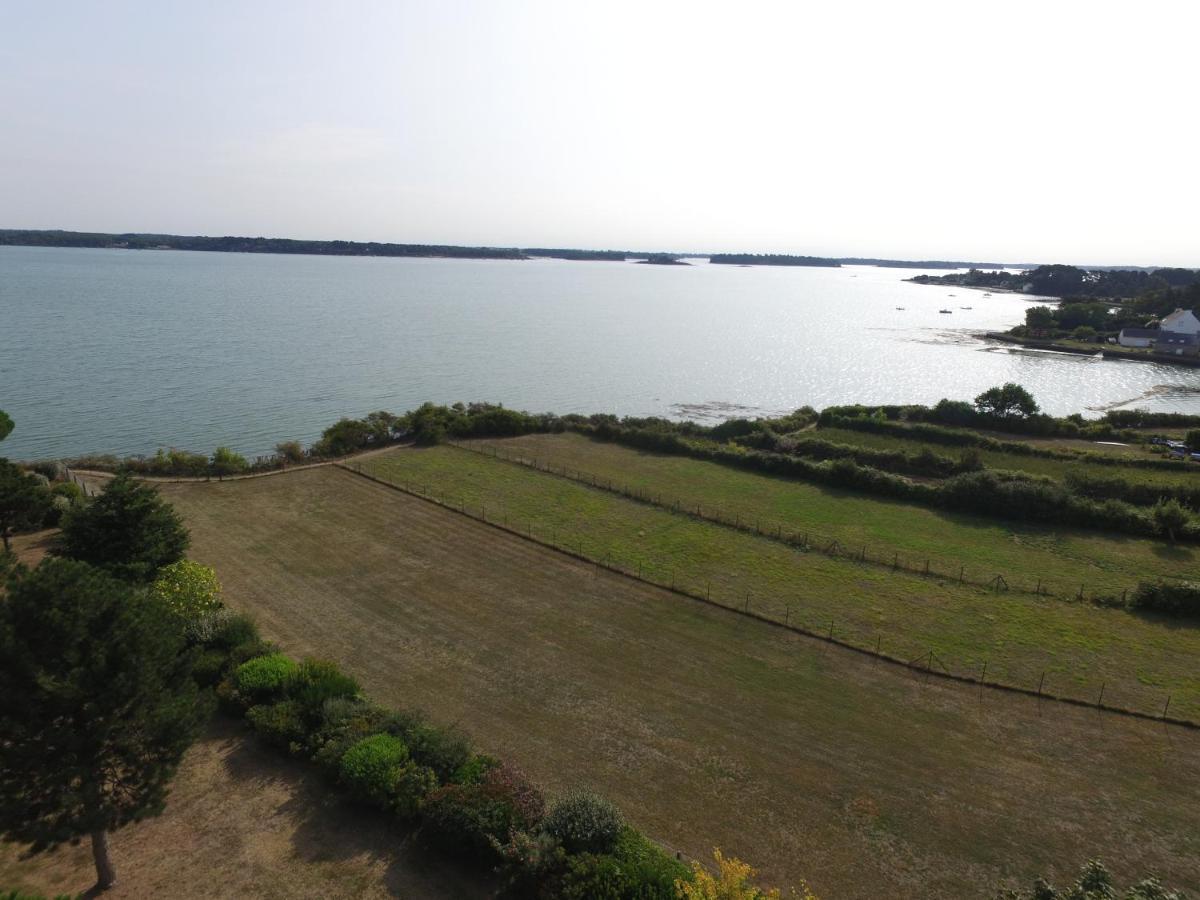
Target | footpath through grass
(1140,660)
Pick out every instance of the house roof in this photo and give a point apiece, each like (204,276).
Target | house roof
(1139,332)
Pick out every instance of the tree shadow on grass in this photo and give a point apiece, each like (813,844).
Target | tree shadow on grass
(330,829)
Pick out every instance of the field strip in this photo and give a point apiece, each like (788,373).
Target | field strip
(923,662)
(803,540)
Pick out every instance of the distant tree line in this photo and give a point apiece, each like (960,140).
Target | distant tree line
(770,259)
(1070,281)
(249,245)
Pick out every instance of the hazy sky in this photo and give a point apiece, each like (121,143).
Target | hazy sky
(1046,131)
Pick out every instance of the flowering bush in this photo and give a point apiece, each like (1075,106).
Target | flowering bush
(188,589)
(584,822)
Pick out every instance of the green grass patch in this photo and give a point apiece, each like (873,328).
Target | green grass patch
(1019,636)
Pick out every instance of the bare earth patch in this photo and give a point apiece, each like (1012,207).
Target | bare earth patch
(243,821)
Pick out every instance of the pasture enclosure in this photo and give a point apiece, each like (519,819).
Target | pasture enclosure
(707,727)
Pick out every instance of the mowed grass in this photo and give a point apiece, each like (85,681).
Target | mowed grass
(1080,647)
(1061,558)
(707,728)
(244,821)
(1187,475)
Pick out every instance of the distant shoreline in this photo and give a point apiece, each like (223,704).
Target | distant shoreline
(26,237)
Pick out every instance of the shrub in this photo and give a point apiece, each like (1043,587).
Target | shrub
(378,770)
(231,631)
(584,822)
(441,749)
(733,881)
(473,770)
(479,818)
(264,678)
(1170,517)
(1179,598)
(209,667)
(291,452)
(1094,883)
(226,462)
(188,589)
(282,724)
(315,682)
(344,722)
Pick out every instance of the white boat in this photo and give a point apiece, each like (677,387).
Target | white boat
(947,311)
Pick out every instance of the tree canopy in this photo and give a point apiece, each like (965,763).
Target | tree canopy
(1009,401)
(97,706)
(24,500)
(6,425)
(129,530)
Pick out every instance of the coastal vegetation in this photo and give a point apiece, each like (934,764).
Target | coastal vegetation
(1065,281)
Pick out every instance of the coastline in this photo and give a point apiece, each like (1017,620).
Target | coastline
(1105,352)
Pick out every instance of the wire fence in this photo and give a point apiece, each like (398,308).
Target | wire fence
(1129,697)
(809,540)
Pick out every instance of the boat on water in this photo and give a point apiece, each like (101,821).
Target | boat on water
(900,307)
(945,311)
(965,307)
(987,295)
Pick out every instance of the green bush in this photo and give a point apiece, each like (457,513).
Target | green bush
(441,749)
(636,869)
(344,722)
(477,819)
(316,681)
(282,724)
(378,770)
(584,822)
(209,667)
(473,770)
(1178,598)
(264,678)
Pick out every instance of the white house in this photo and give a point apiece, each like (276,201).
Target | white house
(1179,334)
(1137,337)
(1182,321)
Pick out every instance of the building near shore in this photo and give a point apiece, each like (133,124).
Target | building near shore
(1137,337)
(1176,335)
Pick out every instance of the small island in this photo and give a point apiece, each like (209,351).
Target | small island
(662,259)
(770,259)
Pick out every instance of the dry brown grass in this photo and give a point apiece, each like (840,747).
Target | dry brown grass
(242,821)
(707,728)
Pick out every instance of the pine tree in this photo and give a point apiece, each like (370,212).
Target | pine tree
(97,706)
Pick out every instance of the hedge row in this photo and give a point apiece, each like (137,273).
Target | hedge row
(1177,598)
(957,437)
(469,805)
(923,463)
(1011,495)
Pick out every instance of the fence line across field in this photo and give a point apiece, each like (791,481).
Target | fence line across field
(877,645)
(805,540)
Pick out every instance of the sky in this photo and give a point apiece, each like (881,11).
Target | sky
(1012,132)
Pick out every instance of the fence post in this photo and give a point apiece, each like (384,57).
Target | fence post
(1040,683)
(961,569)
(1038,589)
(1080,597)
(982,679)
(787,617)
(895,561)
(926,567)
(1165,705)
(831,629)
(878,642)
(1100,699)
(708,591)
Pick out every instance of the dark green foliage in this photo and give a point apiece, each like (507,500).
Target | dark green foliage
(315,682)
(344,722)
(1192,439)
(264,679)
(282,724)
(1095,883)
(129,530)
(1141,418)
(25,501)
(379,771)
(635,869)
(1009,401)
(343,437)
(1170,517)
(473,770)
(584,822)
(1178,598)
(225,462)
(210,667)
(6,425)
(443,750)
(770,259)
(97,704)
(476,819)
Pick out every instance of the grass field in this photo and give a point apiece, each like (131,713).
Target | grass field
(1062,558)
(1187,475)
(1080,647)
(243,821)
(707,728)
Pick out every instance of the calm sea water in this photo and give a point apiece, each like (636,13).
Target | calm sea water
(127,351)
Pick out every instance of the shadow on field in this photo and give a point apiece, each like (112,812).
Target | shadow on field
(328,829)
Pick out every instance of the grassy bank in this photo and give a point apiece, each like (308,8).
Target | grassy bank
(704,726)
